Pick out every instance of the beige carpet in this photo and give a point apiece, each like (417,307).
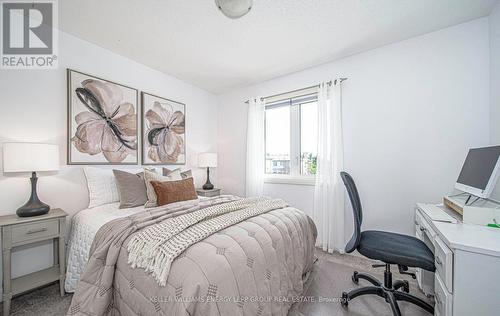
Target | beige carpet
(331,275)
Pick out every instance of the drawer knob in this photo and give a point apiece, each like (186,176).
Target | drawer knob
(423,229)
(34,231)
(438,261)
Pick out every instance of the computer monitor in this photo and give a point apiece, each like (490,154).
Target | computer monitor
(480,171)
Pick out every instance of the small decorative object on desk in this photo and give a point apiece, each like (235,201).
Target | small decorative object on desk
(21,231)
(31,157)
(207,160)
(208,193)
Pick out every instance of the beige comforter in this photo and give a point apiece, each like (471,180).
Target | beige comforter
(254,267)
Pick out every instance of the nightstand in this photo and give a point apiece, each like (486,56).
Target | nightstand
(20,231)
(208,193)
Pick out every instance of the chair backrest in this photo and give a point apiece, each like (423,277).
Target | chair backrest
(356,208)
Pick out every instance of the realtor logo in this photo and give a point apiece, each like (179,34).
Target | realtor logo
(29,34)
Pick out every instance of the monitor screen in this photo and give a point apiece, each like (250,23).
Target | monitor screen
(479,166)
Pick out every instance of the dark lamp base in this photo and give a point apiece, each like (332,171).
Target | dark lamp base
(28,210)
(208,185)
(34,206)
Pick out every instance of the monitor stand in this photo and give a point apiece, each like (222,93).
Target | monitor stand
(474,201)
(457,202)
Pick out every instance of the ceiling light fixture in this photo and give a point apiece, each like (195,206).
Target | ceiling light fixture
(234,8)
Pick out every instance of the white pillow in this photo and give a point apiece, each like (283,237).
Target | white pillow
(102,186)
(150,190)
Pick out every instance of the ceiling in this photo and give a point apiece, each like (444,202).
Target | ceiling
(193,41)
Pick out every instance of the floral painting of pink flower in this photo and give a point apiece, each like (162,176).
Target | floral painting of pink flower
(104,115)
(164,134)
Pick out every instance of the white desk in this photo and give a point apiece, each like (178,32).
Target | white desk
(467,278)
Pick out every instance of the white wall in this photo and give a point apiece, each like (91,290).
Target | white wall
(495,73)
(33,108)
(494,20)
(410,112)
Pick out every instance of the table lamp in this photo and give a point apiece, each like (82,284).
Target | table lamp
(31,157)
(207,160)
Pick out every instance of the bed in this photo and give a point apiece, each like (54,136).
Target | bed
(84,227)
(252,266)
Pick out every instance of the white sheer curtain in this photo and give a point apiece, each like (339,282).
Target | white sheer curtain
(255,163)
(328,212)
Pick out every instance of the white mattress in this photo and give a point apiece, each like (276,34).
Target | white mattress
(84,226)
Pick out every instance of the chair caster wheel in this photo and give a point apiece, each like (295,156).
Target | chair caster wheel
(406,287)
(355,278)
(344,301)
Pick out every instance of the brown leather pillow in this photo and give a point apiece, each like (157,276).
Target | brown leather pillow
(174,191)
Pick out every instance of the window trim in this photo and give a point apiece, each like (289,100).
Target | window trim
(295,177)
(288,179)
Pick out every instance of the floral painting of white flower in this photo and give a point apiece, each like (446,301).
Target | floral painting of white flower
(103,121)
(164,132)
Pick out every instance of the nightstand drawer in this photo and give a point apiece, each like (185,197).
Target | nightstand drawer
(26,232)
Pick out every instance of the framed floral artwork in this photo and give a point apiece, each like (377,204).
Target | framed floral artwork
(163,131)
(102,121)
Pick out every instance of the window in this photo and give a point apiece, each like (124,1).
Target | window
(291,136)
(277,140)
(308,137)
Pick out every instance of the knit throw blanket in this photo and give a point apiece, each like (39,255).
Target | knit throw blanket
(156,247)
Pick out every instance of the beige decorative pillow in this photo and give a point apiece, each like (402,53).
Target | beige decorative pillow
(184,174)
(131,188)
(151,176)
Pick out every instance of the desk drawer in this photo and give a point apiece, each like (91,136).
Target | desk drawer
(418,222)
(444,300)
(422,226)
(26,232)
(444,263)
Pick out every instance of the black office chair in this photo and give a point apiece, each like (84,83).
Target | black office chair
(390,248)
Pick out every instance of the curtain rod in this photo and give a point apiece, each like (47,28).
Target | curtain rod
(306,88)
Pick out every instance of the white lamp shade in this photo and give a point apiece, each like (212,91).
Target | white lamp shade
(207,160)
(29,157)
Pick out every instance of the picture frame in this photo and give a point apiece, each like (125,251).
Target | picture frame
(103,121)
(163,131)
